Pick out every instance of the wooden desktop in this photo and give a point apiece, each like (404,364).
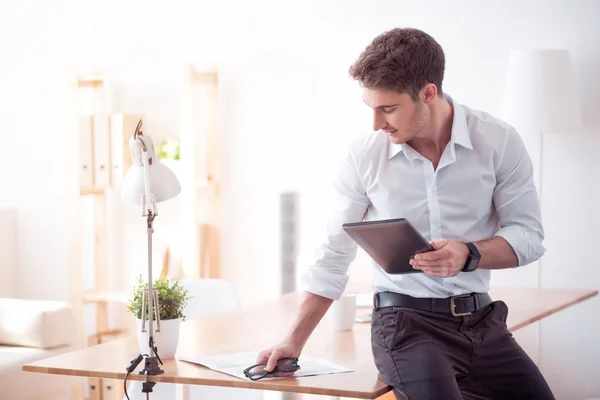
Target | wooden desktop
(262,325)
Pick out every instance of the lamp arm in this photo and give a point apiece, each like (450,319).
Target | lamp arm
(149,211)
(140,151)
(148,198)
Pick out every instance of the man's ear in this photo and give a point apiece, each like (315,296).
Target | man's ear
(429,93)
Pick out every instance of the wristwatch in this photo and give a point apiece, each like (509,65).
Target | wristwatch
(473,259)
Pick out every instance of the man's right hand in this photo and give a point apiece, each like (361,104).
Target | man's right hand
(275,353)
(310,313)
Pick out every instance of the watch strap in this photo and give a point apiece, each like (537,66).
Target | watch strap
(472,259)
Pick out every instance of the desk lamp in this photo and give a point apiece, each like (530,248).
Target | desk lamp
(147,182)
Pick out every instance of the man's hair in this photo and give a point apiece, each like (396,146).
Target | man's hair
(402,59)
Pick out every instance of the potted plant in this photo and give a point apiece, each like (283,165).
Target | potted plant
(172,300)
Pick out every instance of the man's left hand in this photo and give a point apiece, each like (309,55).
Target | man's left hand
(448,258)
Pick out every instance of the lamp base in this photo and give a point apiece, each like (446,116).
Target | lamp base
(151,367)
(147,387)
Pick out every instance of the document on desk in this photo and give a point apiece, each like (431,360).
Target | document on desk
(235,364)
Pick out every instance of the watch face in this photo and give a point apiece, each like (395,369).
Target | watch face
(473,264)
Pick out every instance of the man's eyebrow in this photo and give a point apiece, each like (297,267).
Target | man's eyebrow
(384,106)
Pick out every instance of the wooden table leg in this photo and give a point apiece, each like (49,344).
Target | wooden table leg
(182,392)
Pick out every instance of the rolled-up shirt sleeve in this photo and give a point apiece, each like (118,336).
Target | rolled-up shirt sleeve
(516,202)
(327,275)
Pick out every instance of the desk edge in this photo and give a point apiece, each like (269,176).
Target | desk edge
(242,384)
(523,324)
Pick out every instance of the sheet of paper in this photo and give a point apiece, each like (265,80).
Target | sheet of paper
(235,364)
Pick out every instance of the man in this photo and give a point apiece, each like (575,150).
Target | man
(464,179)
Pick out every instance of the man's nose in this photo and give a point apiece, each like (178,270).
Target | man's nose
(378,121)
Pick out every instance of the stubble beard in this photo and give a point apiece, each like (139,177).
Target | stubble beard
(416,126)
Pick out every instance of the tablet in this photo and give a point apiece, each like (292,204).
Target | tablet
(391,243)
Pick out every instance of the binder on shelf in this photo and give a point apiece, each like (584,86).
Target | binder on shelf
(101,151)
(122,127)
(104,150)
(86,161)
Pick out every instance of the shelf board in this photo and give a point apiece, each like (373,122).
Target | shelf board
(203,77)
(89,81)
(91,191)
(104,296)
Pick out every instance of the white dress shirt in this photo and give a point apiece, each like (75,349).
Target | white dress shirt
(483,187)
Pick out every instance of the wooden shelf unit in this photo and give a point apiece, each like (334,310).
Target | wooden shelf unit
(207,185)
(105,158)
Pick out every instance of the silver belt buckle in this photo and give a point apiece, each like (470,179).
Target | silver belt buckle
(453,305)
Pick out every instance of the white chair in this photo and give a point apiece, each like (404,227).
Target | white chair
(209,297)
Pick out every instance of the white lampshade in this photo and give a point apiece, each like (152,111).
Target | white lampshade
(163,181)
(541,94)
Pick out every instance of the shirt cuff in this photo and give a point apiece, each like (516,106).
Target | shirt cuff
(527,245)
(324,283)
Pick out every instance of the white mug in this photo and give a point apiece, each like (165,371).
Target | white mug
(343,312)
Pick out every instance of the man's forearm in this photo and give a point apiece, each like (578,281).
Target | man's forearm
(311,312)
(496,253)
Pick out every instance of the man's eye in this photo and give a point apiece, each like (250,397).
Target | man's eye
(388,111)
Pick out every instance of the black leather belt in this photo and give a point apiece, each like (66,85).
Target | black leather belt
(458,306)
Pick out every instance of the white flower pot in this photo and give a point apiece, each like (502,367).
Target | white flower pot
(165,341)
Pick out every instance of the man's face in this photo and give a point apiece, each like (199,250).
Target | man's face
(397,114)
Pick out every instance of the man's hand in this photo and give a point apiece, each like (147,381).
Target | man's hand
(312,310)
(270,356)
(448,258)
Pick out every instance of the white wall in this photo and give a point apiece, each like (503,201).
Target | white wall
(38,150)
(569,344)
(287,108)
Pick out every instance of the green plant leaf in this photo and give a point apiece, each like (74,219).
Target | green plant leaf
(172,298)
(169,148)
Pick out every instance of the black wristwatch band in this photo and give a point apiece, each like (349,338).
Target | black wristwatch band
(473,259)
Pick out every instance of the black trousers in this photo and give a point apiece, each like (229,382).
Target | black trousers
(437,356)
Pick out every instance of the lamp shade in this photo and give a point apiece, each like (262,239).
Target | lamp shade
(541,93)
(163,182)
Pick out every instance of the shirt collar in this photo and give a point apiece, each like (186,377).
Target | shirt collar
(460,129)
(459,135)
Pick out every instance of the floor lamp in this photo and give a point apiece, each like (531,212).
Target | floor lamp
(541,98)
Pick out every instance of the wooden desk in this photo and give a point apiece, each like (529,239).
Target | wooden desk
(262,325)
